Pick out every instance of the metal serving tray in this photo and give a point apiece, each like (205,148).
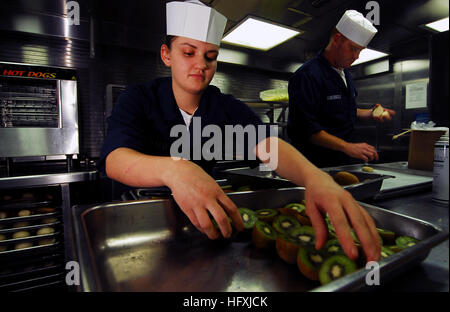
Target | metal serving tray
(404,180)
(151,246)
(369,187)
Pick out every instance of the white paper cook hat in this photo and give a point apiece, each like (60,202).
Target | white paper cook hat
(195,20)
(356,27)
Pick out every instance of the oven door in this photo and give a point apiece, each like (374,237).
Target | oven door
(38,117)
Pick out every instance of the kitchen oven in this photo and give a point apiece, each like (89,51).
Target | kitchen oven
(38,111)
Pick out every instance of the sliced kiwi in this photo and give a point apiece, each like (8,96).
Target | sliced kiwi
(333,247)
(227,188)
(287,248)
(304,235)
(216,226)
(394,248)
(405,241)
(345,178)
(298,211)
(249,217)
(296,206)
(332,232)
(284,224)
(263,235)
(309,260)
(244,188)
(335,267)
(386,252)
(266,215)
(386,235)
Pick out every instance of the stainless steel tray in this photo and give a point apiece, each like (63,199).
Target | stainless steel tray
(151,246)
(369,187)
(404,180)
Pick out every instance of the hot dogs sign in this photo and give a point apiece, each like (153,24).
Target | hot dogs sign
(33,71)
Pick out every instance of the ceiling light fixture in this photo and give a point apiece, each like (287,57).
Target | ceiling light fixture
(439,25)
(258,34)
(368,55)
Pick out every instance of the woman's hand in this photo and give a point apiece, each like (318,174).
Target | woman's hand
(197,193)
(323,195)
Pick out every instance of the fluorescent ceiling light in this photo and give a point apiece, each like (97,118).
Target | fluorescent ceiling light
(257,34)
(440,25)
(367,55)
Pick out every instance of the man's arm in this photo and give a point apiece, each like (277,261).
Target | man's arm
(322,196)
(362,151)
(367,113)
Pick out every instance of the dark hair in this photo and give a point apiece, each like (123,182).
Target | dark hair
(168,40)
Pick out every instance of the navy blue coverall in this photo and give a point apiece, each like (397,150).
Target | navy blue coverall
(319,100)
(144,115)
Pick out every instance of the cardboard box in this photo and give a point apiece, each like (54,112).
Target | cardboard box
(421,148)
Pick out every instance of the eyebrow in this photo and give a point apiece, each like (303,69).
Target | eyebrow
(194,47)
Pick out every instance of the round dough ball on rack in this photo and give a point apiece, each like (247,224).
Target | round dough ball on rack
(3,215)
(21,234)
(47,241)
(49,220)
(21,224)
(3,247)
(24,213)
(45,231)
(45,210)
(28,196)
(23,245)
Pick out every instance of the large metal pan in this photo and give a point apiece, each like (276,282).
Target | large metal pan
(151,246)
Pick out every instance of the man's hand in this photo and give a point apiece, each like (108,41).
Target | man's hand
(197,193)
(323,195)
(362,151)
(382,114)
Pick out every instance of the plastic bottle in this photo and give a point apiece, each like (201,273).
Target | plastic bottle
(441,171)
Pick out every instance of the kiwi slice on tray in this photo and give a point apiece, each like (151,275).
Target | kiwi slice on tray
(287,248)
(244,188)
(333,247)
(227,188)
(304,235)
(216,226)
(386,235)
(284,224)
(394,248)
(335,267)
(332,232)
(263,235)
(249,217)
(405,241)
(298,211)
(309,260)
(266,215)
(386,252)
